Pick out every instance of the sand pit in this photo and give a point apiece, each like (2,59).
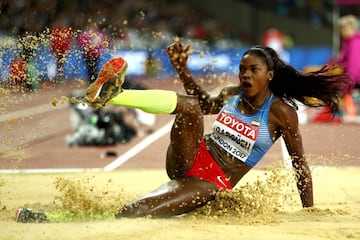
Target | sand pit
(336,214)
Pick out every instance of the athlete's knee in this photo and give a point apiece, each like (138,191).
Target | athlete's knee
(188,105)
(176,172)
(177,164)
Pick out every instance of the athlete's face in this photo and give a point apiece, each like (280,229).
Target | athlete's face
(254,75)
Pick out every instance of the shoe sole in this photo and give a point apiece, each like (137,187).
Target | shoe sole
(112,76)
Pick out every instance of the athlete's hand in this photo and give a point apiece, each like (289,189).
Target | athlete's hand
(178,55)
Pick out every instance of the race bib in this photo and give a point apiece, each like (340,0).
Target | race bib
(234,136)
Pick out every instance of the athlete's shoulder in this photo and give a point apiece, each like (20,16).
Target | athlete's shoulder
(284,114)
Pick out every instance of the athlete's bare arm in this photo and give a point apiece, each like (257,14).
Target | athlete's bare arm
(287,122)
(178,55)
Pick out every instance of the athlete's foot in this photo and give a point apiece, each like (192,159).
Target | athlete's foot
(108,83)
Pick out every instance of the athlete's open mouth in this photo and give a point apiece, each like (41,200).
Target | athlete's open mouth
(246,85)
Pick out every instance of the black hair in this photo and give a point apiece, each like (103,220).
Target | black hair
(267,56)
(323,87)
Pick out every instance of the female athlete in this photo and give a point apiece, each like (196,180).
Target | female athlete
(250,118)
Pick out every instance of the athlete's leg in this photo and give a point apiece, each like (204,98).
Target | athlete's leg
(154,101)
(181,194)
(186,134)
(173,198)
(187,130)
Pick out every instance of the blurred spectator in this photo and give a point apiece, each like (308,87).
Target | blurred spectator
(350,48)
(275,39)
(17,72)
(60,44)
(92,42)
(138,24)
(23,72)
(349,58)
(349,61)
